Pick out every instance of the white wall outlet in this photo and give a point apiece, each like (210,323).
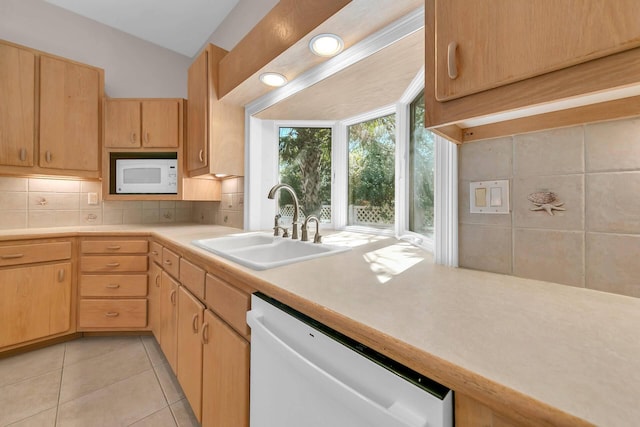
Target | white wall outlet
(491,197)
(92,198)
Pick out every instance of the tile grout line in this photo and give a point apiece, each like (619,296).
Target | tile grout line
(155,374)
(64,356)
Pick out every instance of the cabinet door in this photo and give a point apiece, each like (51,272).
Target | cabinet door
(169,319)
(503,41)
(225,375)
(35,302)
(198,113)
(122,124)
(17,106)
(190,312)
(160,123)
(154,298)
(69,115)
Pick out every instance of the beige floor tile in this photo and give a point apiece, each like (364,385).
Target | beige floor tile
(183,414)
(153,350)
(43,419)
(92,374)
(24,399)
(118,404)
(162,418)
(169,383)
(32,364)
(87,348)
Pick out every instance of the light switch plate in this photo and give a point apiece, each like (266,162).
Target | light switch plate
(490,197)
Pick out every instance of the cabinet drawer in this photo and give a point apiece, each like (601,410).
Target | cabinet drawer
(34,252)
(113,285)
(155,252)
(171,262)
(192,277)
(113,313)
(108,263)
(229,303)
(114,246)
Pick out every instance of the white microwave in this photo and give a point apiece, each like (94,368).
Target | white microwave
(146,176)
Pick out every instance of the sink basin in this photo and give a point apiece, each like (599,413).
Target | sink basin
(261,251)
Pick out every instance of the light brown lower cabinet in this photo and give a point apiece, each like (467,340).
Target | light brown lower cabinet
(153,298)
(190,313)
(35,302)
(225,375)
(471,413)
(169,319)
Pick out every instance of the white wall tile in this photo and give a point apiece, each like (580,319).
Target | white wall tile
(54,185)
(613,146)
(13,184)
(13,201)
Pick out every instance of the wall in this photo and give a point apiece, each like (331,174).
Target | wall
(133,67)
(595,170)
(36,202)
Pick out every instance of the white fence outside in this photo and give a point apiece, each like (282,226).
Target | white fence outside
(359,215)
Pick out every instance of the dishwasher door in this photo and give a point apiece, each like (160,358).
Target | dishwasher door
(305,374)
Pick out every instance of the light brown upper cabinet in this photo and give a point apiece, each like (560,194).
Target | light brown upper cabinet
(70,97)
(17,106)
(215,129)
(485,58)
(131,123)
(485,44)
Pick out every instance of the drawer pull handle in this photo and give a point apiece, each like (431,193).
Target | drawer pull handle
(112,314)
(48,156)
(114,247)
(167,261)
(133,137)
(61,274)
(157,280)
(452,64)
(154,253)
(194,323)
(204,335)
(113,264)
(201,156)
(172,297)
(11,256)
(23,154)
(146,137)
(113,286)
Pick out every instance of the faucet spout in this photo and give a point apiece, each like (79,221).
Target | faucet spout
(296,205)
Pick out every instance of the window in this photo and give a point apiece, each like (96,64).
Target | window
(421,171)
(371,191)
(305,164)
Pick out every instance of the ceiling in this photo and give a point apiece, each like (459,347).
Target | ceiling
(182,26)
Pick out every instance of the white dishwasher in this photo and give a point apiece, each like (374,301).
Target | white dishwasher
(304,374)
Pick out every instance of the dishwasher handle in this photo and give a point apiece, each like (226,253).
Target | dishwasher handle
(397,414)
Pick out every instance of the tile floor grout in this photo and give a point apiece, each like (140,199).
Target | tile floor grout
(89,383)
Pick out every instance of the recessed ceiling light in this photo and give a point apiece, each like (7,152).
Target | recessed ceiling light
(273,79)
(326,45)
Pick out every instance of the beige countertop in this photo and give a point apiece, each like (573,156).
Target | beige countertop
(539,349)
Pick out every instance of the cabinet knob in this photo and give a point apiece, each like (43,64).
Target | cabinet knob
(23,154)
(48,156)
(61,274)
(172,297)
(452,64)
(146,137)
(167,261)
(201,156)
(157,280)
(133,137)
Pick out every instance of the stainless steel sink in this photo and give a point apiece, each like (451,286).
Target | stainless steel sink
(261,251)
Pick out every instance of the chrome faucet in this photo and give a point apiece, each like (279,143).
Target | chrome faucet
(294,225)
(305,237)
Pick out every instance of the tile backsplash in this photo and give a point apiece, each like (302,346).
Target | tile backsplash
(229,211)
(595,171)
(45,202)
